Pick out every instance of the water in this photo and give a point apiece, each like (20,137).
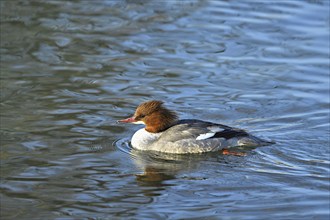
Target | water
(69,70)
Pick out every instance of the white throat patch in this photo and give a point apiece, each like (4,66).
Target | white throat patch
(139,122)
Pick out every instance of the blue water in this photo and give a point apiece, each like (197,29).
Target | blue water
(70,69)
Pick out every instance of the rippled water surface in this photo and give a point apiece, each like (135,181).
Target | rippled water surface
(70,69)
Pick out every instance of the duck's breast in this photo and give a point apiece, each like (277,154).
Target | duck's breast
(142,139)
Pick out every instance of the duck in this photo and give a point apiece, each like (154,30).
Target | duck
(164,132)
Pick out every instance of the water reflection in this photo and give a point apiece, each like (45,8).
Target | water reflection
(153,167)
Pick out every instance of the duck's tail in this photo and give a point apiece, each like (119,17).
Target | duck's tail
(252,141)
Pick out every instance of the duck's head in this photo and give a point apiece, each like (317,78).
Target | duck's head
(154,115)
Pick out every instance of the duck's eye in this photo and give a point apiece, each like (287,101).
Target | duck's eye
(140,117)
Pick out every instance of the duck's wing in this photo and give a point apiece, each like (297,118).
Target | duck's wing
(200,130)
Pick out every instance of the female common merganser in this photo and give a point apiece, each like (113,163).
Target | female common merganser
(163,132)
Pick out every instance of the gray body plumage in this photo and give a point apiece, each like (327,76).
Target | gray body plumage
(194,136)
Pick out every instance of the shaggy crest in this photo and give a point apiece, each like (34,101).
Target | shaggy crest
(148,107)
